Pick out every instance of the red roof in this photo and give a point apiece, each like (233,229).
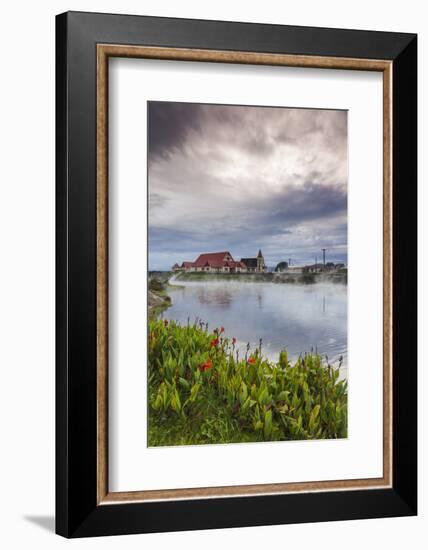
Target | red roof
(212,259)
(215,260)
(235,264)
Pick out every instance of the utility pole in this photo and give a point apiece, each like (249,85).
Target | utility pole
(289,262)
(323,256)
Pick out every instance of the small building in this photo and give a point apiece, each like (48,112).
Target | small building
(214,262)
(314,268)
(223,262)
(255,265)
(295,269)
(217,262)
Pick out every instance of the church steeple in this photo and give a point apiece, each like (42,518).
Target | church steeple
(260,262)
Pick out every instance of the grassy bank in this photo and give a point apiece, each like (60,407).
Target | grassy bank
(204,276)
(202,391)
(158,299)
(290,278)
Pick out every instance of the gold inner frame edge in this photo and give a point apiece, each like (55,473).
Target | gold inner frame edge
(104,51)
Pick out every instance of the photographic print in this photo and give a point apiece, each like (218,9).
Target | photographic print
(247,274)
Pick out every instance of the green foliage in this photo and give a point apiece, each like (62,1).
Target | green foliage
(281,266)
(307,278)
(156,285)
(211,276)
(201,392)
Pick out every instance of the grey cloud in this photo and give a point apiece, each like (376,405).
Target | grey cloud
(256,129)
(157,201)
(307,202)
(243,178)
(169,124)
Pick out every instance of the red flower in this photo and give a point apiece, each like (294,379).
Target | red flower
(165,322)
(251,361)
(214,343)
(233,340)
(221,329)
(206,366)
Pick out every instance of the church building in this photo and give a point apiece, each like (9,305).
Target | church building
(255,265)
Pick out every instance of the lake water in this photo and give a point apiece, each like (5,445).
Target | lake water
(292,316)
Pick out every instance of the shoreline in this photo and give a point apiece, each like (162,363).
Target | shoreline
(160,281)
(163,284)
(335,277)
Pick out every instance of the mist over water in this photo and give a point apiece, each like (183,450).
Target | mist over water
(292,316)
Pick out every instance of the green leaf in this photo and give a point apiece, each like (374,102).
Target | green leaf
(268,424)
(313,417)
(184,382)
(283,395)
(194,391)
(243,394)
(246,405)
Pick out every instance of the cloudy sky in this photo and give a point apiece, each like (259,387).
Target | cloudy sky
(241,178)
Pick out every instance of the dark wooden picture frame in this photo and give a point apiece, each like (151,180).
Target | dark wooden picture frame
(84,505)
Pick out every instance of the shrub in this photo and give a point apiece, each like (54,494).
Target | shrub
(155,285)
(308,278)
(201,391)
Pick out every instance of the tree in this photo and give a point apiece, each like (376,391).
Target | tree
(282,266)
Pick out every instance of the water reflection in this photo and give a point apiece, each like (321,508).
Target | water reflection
(297,317)
(217,296)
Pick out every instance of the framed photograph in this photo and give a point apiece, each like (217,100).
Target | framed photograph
(236,274)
